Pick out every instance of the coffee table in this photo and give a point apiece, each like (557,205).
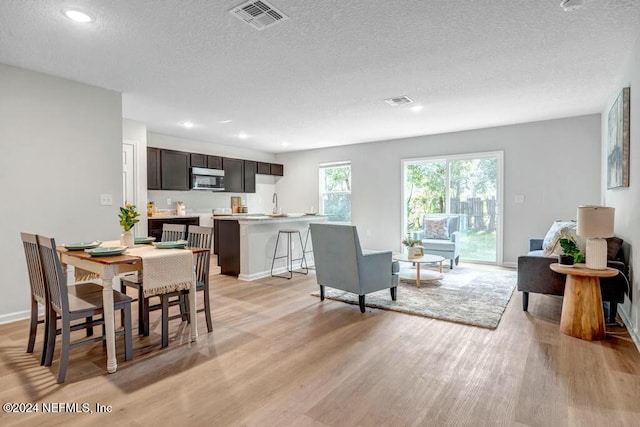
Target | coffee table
(416,275)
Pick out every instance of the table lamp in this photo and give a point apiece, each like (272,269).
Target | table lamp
(595,223)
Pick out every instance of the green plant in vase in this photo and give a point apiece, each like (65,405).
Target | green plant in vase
(128,218)
(570,247)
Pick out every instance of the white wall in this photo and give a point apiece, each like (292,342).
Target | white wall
(627,200)
(61,145)
(555,164)
(204,201)
(136,132)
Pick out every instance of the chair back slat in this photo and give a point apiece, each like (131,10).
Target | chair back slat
(201,237)
(173,232)
(34,267)
(55,279)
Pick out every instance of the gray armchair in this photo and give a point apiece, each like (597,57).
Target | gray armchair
(341,264)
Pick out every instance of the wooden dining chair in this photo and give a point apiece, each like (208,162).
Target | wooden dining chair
(170,232)
(38,291)
(201,237)
(73,303)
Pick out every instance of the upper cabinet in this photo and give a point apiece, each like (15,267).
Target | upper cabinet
(233,175)
(250,169)
(277,170)
(153,168)
(169,170)
(174,170)
(198,160)
(214,162)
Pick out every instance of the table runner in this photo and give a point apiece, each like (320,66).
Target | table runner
(165,270)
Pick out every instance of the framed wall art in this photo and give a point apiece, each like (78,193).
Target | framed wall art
(618,142)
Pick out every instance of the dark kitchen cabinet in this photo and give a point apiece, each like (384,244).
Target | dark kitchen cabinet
(250,169)
(214,162)
(277,170)
(153,168)
(264,168)
(233,175)
(174,169)
(198,160)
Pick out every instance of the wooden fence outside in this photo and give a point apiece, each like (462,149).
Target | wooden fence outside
(475,213)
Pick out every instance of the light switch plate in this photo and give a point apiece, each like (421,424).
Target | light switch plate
(106,199)
(519,199)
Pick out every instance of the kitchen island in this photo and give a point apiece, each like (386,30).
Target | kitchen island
(245,244)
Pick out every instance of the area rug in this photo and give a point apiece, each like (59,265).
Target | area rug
(465,295)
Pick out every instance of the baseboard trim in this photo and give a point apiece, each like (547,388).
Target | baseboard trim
(18,315)
(267,273)
(627,322)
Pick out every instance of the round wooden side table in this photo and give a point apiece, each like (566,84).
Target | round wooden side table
(582,314)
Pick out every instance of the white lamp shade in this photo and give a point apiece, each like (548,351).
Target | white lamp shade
(595,221)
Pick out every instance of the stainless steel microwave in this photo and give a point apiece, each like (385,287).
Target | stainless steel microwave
(207,179)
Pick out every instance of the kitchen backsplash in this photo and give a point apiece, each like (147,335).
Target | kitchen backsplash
(205,201)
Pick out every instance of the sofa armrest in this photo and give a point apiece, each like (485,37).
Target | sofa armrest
(535,275)
(535,244)
(418,235)
(454,236)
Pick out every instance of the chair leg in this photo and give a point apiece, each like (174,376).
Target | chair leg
(126,324)
(207,308)
(141,312)
(64,351)
(525,301)
(184,307)
(145,317)
(321,293)
(451,264)
(51,337)
(457,260)
(89,319)
(45,344)
(165,320)
(394,293)
(33,326)
(361,303)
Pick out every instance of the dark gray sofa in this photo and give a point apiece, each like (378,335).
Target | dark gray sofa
(534,275)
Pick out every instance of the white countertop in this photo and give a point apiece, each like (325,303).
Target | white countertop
(174,216)
(266,218)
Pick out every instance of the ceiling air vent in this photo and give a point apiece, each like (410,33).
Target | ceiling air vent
(398,100)
(259,14)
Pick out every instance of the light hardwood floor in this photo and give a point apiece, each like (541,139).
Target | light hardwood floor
(280,357)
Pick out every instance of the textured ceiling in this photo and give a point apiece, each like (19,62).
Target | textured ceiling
(319,79)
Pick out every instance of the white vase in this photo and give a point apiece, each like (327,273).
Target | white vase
(126,239)
(414,251)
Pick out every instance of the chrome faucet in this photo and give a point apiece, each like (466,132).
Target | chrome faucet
(274,199)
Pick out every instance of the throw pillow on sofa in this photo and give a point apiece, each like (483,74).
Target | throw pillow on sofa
(437,228)
(559,229)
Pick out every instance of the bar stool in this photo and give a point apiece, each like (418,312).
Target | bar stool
(289,255)
(305,248)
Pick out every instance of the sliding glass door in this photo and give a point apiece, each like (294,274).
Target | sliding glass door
(467,186)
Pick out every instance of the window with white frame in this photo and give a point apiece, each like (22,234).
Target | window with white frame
(335,191)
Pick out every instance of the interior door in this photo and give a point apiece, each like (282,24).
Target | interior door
(128,174)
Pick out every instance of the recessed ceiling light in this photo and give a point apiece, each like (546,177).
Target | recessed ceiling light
(77,16)
(284,144)
(224,121)
(187,124)
(417,108)
(571,5)
(243,135)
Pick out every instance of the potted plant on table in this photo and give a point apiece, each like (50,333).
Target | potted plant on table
(128,218)
(572,253)
(414,247)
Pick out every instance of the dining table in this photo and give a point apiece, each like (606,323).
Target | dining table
(106,268)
